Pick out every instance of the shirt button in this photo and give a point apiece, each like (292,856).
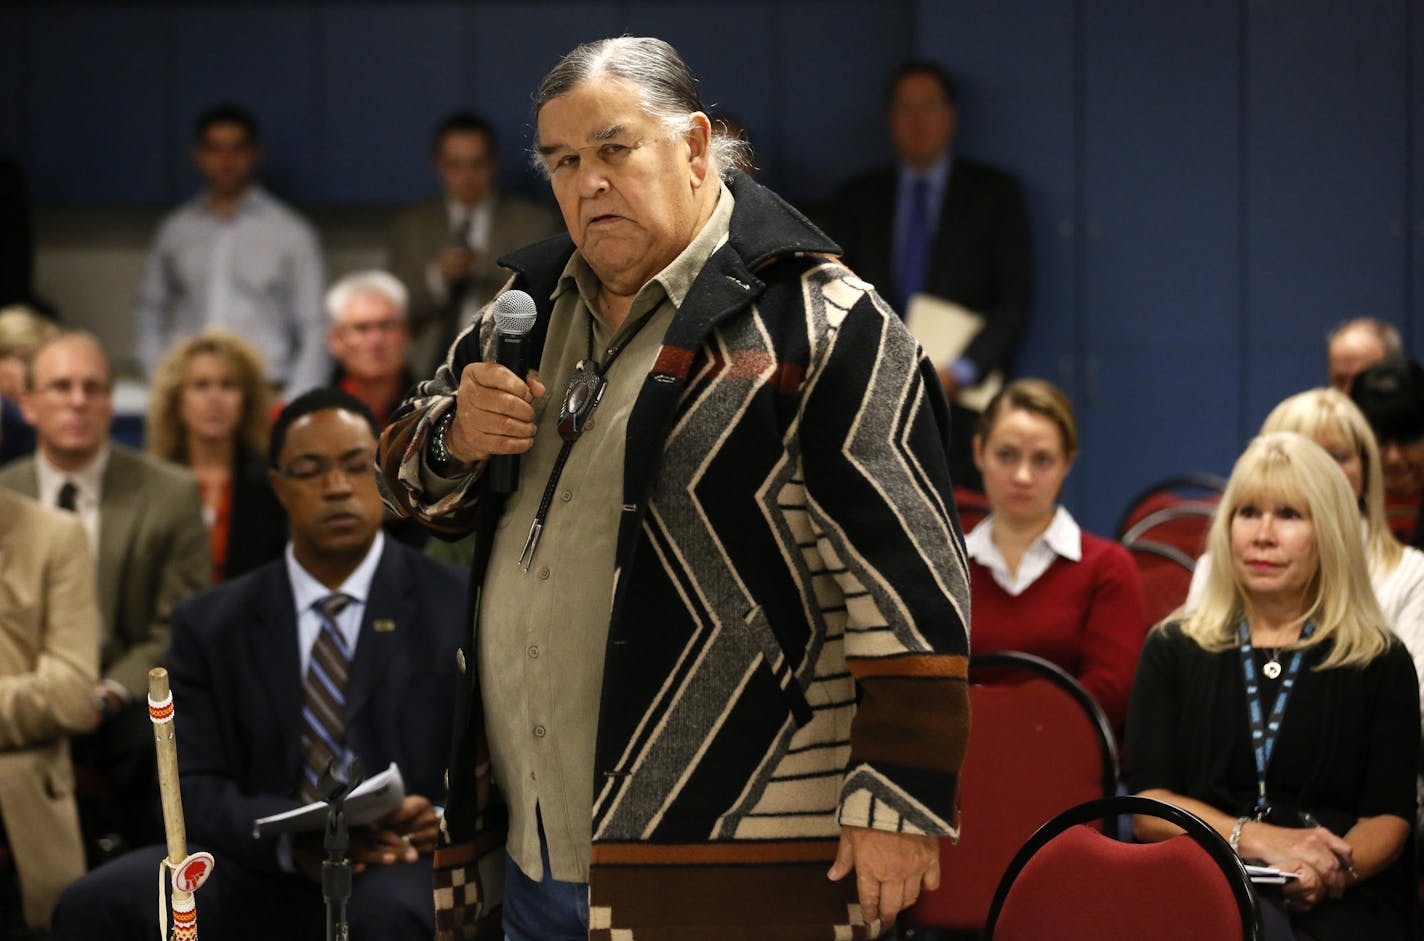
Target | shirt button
(533,652)
(566,496)
(533,776)
(539,731)
(544,572)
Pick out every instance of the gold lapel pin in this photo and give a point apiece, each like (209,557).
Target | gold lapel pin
(383,625)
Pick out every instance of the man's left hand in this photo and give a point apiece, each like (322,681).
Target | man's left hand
(890,869)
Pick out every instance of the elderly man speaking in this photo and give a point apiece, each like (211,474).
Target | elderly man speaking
(719,651)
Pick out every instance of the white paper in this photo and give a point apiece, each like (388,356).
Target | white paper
(1269,875)
(371,800)
(945,330)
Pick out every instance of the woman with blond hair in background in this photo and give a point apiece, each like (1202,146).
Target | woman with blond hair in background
(1335,423)
(1281,710)
(210,411)
(1039,584)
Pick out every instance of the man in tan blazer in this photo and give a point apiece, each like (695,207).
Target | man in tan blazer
(143,519)
(445,250)
(49,652)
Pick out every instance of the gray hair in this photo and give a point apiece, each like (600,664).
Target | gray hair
(372,281)
(668,87)
(1385,332)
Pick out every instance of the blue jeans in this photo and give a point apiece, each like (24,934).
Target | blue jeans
(547,910)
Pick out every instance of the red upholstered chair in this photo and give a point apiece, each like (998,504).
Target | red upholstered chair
(1166,575)
(1039,744)
(973,506)
(1175,512)
(1072,883)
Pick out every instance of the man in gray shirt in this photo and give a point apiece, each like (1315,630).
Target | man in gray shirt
(237,257)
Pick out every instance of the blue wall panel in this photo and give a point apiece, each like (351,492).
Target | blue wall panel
(1161,257)
(1326,181)
(508,48)
(389,73)
(1414,335)
(834,57)
(12,50)
(95,108)
(267,57)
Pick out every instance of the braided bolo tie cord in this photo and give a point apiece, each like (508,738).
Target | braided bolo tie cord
(600,372)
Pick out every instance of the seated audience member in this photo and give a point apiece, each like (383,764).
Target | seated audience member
(1040,584)
(368,337)
(1396,572)
(1391,395)
(209,411)
(1281,710)
(49,663)
(1358,344)
(348,626)
(235,256)
(21,332)
(144,523)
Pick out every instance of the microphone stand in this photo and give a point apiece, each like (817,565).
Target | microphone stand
(336,868)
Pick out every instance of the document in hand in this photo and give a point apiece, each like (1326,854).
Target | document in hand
(371,800)
(945,330)
(1269,875)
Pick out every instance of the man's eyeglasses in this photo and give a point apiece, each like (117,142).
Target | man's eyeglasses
(309,469)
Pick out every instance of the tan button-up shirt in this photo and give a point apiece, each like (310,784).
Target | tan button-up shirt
(542,632)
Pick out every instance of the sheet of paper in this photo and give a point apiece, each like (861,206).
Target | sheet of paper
(371,800)
(945,330)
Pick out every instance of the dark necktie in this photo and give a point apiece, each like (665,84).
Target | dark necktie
(324,710)
(68,498)
(915,253)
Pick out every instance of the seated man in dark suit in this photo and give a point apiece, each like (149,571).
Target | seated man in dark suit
(349,626)
(938,223)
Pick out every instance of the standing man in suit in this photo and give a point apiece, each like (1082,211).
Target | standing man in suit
(343,648)
(49,663)
(144,523)
(940,224)
(445,250)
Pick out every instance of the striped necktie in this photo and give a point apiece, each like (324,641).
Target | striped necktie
(324,710)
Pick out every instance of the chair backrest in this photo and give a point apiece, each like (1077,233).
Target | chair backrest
(1070,882)
(1039,745)
(1165,573)
(973,506)
(1197,494)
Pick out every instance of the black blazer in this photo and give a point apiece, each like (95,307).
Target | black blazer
(980,259)
(257,526)
(235,670)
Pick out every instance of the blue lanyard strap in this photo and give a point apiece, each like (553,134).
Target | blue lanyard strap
(1265,729)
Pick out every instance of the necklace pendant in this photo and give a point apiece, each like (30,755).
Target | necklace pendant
(1272,669)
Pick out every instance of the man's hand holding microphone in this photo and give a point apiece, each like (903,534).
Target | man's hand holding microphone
(494,411)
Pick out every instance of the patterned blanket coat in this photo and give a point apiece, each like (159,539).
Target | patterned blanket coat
(789,633)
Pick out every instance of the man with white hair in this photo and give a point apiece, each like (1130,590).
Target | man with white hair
(721,624)
(368,338)
(1358,344)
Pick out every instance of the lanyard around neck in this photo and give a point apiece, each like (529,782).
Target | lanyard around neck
(581,397)
(1265,729)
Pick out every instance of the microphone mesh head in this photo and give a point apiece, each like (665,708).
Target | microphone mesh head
(514,313)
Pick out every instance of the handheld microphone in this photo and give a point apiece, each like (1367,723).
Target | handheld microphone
(514,317)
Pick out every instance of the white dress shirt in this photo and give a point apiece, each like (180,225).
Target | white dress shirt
(1061,538)
(307,593)
(89,482)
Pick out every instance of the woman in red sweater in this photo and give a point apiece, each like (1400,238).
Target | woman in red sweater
(1040,584)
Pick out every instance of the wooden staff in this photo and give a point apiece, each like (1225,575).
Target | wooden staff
(188,872)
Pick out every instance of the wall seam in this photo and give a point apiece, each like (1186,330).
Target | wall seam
(1243,276)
